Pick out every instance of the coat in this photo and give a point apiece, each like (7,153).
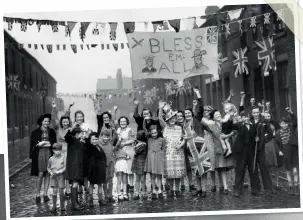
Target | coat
(74,159)
(34,151)
(293,139)
(262,128)
(239,142)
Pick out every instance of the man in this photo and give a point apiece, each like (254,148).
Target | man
(244,150)
(149,62)
(199,68)
(263,135)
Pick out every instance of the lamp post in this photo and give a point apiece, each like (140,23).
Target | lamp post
(43,93)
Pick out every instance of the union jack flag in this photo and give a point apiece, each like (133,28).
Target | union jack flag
(240,61)
(267,53)
(13,83)
(212,35)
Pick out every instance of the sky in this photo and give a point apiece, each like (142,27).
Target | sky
(79,72)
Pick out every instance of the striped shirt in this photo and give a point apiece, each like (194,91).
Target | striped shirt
(284,135)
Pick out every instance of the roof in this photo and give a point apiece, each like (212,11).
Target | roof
(9,38)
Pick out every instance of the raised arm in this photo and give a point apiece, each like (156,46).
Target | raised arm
(55,119)
(97,106)
(199,110)
(293,117)
(242,102)
(231,94)
(136,110)
(67,113)
(160,116)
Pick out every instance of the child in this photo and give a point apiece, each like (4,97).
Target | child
(121,165)
(107,147)
(155,161)
(74,162)
(56,167)
(139,163)
(227,124)
(96,168)
(290,153)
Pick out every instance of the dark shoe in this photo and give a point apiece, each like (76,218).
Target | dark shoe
(257,193)
(66,195)
(62,208)
(157,188)
(38,199)
(277,187)
(144,197)
(214,189)
(136,197)
(75,204)
(45,199)
(198,193)
(120,198)
(192,187)
(131,188)
(125,198)
(154,196)
(221,189)
(178,193)
(160,195)
(203,194)
(182,187)
(225,192)
(245,185)
(102,202)
(111,200)
(236,194)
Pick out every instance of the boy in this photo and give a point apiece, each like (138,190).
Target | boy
(285,138)
(56,167)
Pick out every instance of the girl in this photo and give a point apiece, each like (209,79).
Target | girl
(96,168)
(121,168)
(74,162)
(290,153)
(139,163)
(174,166)
(274,161)
(226,124)
(79,119)
(61,127)
(126,136)
(41,142)
(155,160)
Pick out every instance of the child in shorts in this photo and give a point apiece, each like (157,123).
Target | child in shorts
(56,167)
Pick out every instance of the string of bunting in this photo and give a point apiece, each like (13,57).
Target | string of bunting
(265,20)
(74,47)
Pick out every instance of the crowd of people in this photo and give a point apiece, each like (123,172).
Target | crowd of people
(169,146)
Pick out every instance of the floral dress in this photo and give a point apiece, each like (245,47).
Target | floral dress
(174,165)
(127,135)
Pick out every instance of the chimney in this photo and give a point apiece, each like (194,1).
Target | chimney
(119,79)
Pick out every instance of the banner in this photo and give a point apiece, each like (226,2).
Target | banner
(171,55)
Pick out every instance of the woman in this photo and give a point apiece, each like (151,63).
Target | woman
(174,165)
(61,127)
(222,164)
(41,142)
(79,119)
(274,161)
(126,135)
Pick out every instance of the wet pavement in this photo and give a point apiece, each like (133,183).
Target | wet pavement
(22,198)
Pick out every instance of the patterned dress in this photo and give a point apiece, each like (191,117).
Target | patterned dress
(127,135)
(174,165)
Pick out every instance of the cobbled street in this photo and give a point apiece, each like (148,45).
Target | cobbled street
(22,197)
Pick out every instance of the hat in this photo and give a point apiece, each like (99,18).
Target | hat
(57,146)
(42,117)
(150,57)
(207,108)
(170,114)
(198,52)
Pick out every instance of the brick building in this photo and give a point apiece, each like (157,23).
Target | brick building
(26,104)
(279,87)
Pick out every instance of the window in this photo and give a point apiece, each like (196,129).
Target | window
(23,70)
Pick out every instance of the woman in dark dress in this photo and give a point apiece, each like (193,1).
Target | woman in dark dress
(96,167)
(41,142)
(74,162)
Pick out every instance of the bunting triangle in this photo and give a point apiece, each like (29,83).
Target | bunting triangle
(70,26)
(175,24)
(115,45)
(83,28)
